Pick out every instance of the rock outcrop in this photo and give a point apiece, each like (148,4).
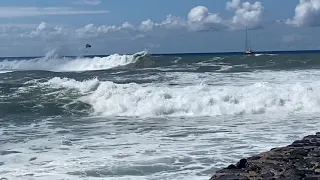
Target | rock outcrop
(300,160)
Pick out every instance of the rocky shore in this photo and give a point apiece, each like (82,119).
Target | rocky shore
(300,160)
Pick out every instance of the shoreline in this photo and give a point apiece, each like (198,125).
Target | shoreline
(299,160)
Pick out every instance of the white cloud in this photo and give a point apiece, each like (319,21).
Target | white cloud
(9,31)
(198,13)
(307,13)
(147,25)
(88,2)
(10,12)
(172,22)
(107,29)
(199,18)
(92,31)
(41,26)
(127,25)
(233,4)
(45,32)
(246,14)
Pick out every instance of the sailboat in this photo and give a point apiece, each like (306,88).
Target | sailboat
(248,46)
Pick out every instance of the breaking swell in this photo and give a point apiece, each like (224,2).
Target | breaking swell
(52,62)
(106,98)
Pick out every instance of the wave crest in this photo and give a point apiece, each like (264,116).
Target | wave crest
(110,99)
(52,62)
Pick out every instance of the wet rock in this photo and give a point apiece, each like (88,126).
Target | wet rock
(299,160)
(231,167)
(315,153)
(231,177)
(312,177)
(242,164)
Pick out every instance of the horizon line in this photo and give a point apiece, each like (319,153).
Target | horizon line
(187,53)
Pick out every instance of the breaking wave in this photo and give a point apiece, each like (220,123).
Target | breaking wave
(183,62)
(3,72)
(52,62)
(110,99)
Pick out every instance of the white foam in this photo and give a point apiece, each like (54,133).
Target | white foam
(265,55)
(71,83)
(225,68)
(51,62)
(111,99)
(3,72)
(118,150)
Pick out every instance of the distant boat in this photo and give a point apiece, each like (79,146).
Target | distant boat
(248,45)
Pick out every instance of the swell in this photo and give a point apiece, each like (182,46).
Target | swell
(228,64)
(184,63)
(92,97)
(31,98)
(52,62)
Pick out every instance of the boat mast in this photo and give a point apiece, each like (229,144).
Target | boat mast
(246,44)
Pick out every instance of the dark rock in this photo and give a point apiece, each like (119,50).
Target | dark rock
(312,177)
(231,166)
(300,160)
(315,153)
(309,137)
(254,158)
(230,177)
(242,164)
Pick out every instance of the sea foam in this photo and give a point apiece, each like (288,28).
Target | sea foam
(52,62)
(111,99)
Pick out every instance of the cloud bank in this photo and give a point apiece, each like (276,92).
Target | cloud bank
(198,19)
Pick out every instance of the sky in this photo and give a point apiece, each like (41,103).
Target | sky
(33,27)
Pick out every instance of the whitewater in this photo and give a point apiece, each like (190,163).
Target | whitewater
(144,116)
(52,62)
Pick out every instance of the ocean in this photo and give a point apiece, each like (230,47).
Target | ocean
(150,116)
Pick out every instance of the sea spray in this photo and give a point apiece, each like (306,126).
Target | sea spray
(112,99)
(53,62)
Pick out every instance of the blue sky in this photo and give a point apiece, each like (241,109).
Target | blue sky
(32,27)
